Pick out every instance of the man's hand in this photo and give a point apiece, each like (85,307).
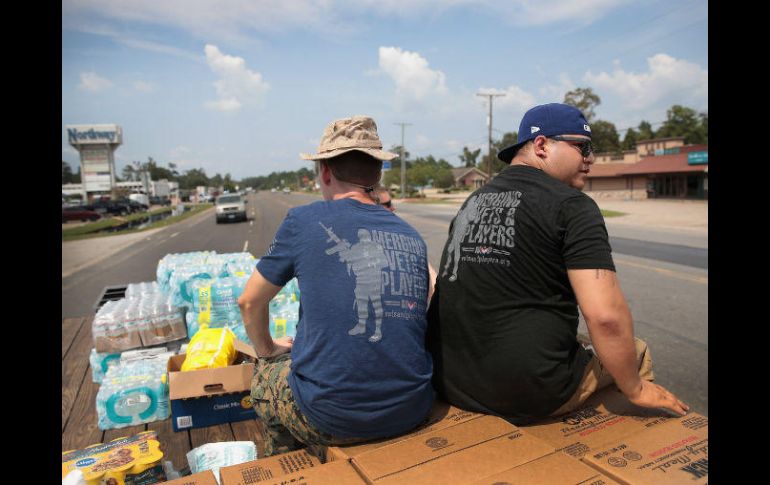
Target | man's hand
(280,346)
(651,395)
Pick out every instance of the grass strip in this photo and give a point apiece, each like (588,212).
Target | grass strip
(607,213)
(91,230)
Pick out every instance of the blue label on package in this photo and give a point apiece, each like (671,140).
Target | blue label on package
(199,412)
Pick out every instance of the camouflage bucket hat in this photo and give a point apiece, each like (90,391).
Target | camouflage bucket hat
(348,134)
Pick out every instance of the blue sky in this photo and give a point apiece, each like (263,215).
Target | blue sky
(244,86)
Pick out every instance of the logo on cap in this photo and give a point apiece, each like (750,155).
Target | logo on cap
(533,129)
(587,128)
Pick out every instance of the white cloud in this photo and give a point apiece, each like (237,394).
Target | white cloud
(237,85)
(90,81)
(144,87)
(409,70)
(514,99)
(667,81)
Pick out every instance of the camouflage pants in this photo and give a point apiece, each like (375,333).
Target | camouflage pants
(285,427)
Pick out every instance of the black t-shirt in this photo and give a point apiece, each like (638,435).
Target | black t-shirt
(503,320)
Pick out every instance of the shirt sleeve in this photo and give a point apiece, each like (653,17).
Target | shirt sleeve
(585,241)
(277,265)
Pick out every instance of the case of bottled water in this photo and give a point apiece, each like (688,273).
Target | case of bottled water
(134,392)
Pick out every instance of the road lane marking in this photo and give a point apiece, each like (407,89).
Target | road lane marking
(245,245)
(674,274)
(173,235)
(251,222)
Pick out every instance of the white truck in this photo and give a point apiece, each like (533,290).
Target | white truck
(141,198)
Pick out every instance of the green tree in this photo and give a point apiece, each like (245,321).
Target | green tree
(193,178)
(468,158)
(508,139)
(228,184)
(128,173)
(629,141)
(686,122)
(66,173)
(76,177)
(583,99)
(645,131)
(443,178)
(604,137)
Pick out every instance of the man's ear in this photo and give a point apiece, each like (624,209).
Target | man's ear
(540,146)
(326,174)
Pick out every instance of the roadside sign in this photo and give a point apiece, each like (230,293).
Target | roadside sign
(385,165)
(698,158)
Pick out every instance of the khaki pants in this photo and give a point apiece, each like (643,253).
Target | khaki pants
(596,377)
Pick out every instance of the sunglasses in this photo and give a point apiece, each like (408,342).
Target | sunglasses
(586,148)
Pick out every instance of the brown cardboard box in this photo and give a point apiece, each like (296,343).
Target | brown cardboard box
(225,389)
(442,415)
(676,452)
(456,454)
(337,473)
(209,382)
(202,478)
(554,469)
(265,469)
(605,417)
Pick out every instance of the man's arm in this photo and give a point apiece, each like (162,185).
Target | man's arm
(254,304)
(612,333)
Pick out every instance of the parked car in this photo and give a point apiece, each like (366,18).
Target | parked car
(230,207)
(133,205)
(112,207)
(286,190)
(159,200)
(78,213)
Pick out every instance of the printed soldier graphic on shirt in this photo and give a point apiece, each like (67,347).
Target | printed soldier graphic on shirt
(384,265)
(460,227)
(483,231)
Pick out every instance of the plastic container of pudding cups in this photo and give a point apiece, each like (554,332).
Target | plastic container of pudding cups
(111,463)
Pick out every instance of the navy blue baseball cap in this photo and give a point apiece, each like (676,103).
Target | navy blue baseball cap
(548,120)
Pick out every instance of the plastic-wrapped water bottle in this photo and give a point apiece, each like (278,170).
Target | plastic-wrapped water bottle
(134,392)
(100,363)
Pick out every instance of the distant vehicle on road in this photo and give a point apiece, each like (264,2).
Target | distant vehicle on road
(273,190)
(159,200)
(230,207)
(286,190)
(112,207)
(141,198)
(78,213)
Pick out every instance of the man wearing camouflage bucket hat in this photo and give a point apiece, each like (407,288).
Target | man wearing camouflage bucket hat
(357,368)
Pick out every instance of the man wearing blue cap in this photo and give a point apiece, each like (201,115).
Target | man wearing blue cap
(523,253)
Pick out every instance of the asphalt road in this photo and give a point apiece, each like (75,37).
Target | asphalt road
(665,283)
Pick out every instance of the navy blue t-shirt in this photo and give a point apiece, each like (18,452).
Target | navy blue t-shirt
(359,363)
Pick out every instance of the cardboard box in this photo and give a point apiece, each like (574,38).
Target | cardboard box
(676,452)
(442,415)
(461,453)
(265,469)
(604,418)
(337,473)
(554,469)
(203,478)
(206,397)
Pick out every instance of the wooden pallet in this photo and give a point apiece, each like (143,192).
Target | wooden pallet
(78,407)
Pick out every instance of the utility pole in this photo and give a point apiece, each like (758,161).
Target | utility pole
(403,162)
(489,123)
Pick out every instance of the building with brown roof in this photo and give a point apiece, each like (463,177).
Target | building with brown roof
(470,177)
(660,168)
